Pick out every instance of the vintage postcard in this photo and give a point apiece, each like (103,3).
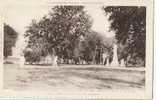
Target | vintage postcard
(77,49)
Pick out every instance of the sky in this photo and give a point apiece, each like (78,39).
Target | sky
(100,20)
(20,16)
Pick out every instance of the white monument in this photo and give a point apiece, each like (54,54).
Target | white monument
(17,51)
(115,57)
(104,55)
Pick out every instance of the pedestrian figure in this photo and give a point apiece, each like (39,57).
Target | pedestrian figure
(55,60)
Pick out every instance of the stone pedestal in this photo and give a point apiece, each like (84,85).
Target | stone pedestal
(16,60)
(12,59)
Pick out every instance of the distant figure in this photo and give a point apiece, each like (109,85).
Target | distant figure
(55,60)
(84,62)
(48,59)
(122,63)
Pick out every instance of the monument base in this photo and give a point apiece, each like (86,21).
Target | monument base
(114,64)
(15,60)
(12,59)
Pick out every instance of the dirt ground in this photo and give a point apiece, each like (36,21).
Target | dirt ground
(72,77)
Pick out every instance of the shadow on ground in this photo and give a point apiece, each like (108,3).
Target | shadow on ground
(79,78)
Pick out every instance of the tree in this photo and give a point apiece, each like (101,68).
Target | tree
(129,24)
(32,54)
(94,45)
(60,31)
(10,36)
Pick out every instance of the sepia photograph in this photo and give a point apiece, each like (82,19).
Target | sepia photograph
(74,48)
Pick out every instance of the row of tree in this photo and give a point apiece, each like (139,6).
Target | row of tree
(60,34)
(129,24)
(66,32)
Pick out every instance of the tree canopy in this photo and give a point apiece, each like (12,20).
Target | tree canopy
(10,36)
(129,24)
(60,31)
(65,32)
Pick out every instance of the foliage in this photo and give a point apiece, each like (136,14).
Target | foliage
(10,36)
(32,54)
(129,24)
(59,33)
(95,44)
